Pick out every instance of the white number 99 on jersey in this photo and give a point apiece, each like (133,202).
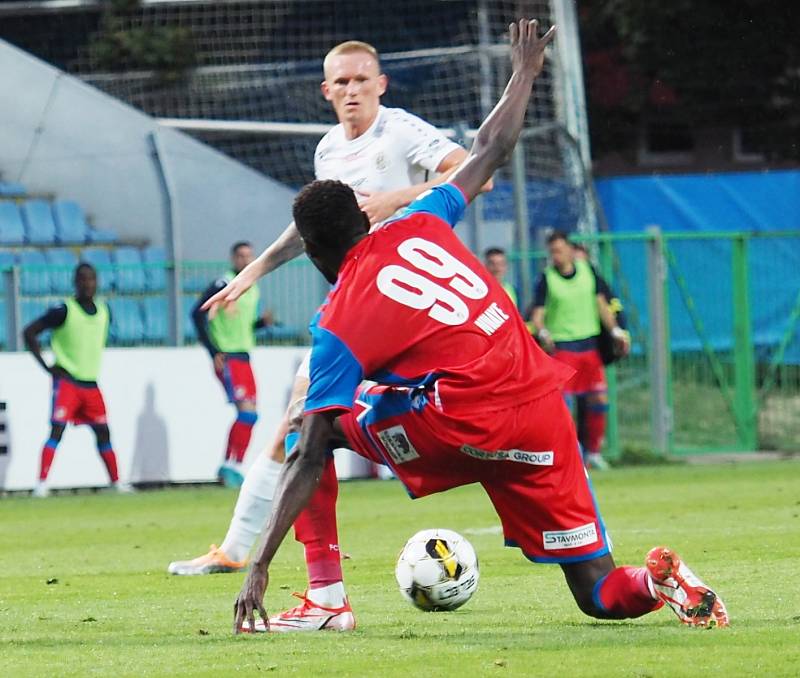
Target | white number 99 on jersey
(410,288)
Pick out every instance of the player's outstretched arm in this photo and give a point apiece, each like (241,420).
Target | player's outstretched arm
(288,246)
(298,481)
(498,134)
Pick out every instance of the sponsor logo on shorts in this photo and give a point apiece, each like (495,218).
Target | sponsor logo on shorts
(239,392)
(544,458)
(60,413)
(397,444)
(570,539)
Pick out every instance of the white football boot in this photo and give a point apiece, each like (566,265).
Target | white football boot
(308,616)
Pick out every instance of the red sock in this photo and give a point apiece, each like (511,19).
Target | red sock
(48,453)
(110,460)
(595,426)
(624,593)
(239,437)
(315,528)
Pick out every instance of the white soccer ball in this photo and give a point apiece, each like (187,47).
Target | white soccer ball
(437,570)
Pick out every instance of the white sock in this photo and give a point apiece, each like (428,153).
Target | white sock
(331,595)
(252,508)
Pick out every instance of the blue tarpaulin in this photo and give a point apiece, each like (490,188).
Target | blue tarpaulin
(752,201)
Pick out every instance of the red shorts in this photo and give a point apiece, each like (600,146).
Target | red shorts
(75,403)
(237,379)
(526,458)
(590,377)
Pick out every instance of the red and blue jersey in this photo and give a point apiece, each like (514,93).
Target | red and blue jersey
(412,306)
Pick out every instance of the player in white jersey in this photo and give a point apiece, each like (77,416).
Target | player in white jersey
(386,155)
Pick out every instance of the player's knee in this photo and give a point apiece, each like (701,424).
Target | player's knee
(294,415)
(597,402)
(246,406)
(587,604)
(247,417)
(102,434)
(56,431)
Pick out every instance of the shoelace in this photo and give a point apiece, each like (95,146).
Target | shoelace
(307,604)
(299,609)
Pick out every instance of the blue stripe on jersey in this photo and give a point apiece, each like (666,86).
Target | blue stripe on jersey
(445,201)
(335,372)
(390,379)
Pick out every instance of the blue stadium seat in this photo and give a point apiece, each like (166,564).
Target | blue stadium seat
(71,226)
(126,321)
(30,309)
(155,259)
(39,224)
(7,260)
(101,260)
(130,276)
(197,278)
(62,275)
(12,228)
(156,310)
(12,189)
(2,323)
(189,333)
(101,236)
(34,276)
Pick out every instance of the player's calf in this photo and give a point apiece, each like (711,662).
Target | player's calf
(604,591)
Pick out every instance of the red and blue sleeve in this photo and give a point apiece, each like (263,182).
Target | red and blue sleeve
(445,201)
(335,373)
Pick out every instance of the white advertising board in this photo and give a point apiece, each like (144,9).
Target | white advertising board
(167,412)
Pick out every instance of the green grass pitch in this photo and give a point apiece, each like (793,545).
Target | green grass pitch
(84,591)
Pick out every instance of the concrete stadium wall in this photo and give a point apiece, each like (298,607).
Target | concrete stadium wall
(59,135)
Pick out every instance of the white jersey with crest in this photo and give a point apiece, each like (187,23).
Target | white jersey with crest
(397,151)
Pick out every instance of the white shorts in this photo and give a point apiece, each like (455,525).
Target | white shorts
(304,369)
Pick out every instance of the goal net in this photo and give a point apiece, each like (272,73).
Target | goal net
(234,73)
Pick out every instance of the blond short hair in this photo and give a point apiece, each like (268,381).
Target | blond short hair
(349,47)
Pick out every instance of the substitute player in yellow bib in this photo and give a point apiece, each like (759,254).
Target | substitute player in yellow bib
(80,329)
(229,337)
(569,307)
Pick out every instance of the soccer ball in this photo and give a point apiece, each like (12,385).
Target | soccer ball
(437,570)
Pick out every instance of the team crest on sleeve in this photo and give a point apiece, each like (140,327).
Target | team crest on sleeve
(397,444)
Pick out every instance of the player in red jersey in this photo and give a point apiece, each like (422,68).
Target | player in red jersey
(457,391)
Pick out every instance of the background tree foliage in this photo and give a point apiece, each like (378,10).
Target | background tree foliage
(709,62)
(119,46)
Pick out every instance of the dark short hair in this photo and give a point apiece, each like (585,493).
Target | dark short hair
(326,214)
(557,235)
(493,251)
(240,243)
(85,266)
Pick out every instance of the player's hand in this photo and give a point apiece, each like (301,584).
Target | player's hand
(219,361)
(267,318)
(622,342)
(527,48)
(378,206)
(227,296)
(546,341)
(250,599)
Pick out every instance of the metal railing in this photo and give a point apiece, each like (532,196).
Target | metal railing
(714,320)
(715,325)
